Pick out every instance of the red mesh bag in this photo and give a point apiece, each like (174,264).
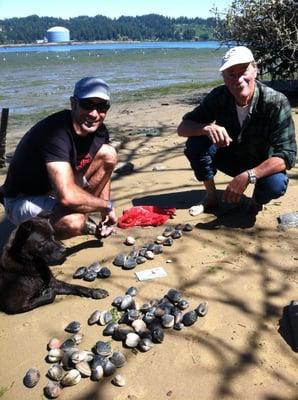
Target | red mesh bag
(145,216)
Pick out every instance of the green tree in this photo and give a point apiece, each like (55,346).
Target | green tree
(269,28)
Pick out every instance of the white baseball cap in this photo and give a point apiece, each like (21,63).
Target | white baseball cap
(92,87)
(236,55)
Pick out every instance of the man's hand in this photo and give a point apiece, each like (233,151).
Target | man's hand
(218,135)
(108,224)
(236,188)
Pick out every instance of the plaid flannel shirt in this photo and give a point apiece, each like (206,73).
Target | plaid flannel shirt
(268,130)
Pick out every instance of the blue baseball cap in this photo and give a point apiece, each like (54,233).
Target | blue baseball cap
(92,87)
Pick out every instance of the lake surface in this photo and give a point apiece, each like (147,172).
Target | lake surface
(37,81)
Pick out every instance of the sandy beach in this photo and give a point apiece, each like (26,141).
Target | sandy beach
(244,267)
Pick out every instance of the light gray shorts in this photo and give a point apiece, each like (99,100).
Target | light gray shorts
(21,208)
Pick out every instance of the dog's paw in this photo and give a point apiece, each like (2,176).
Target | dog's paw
(99,293)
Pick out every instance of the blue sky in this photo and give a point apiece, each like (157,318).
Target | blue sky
(109,8)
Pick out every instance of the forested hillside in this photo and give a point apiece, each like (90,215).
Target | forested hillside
(84,28)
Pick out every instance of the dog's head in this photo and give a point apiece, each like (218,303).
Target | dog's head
(34,240)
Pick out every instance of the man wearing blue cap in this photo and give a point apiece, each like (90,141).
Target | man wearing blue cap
(63,166)
(244,129)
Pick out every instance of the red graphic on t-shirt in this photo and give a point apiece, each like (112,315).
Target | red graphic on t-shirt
(83,160)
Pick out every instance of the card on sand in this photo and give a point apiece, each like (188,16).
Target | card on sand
(152,273)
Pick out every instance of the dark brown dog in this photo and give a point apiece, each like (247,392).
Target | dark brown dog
(26,281)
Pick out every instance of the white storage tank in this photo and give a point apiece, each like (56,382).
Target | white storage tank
(58,34)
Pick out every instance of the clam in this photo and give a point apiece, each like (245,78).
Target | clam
(84,368)
(202,309)
(54,343)
(55,372)
(81,355)
(179,227)
(130,240)
(160,239)
(31,377)
(139,325)
(94,317)
(73,327)
(183,304)
(145,344)
(109,368)
(104,273)
(168,231)
(142,252)
(149,255)
(66,359)
(157,335)
(157,249)
(168,241)
(118,359)
(95,267)
(133,314)
(52,390)
(132,291)
(103,348)
(127,301)
(109,328)
(117,301)
(178,326)
(119,260)
(90,276)
(121,332)
(55,355)
(71,378)
(77,338)
(118,380)
(148,317)
(167,321)
(132,339)
(174,296)
(80,273)
(187,228)
(97,373)
(189,318)
(69,343)
(130,263)
(176,234)
(141,259)
(105,318)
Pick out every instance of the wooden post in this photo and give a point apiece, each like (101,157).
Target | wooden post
(3,129)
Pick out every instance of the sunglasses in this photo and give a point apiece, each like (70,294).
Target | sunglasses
(88,105)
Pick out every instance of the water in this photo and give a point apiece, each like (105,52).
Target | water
(40,80)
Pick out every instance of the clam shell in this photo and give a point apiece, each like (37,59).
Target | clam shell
(94,317)
(55,372)
(167,321)
(118,380)
(68,343)
(31,377)
(109,329)
(183,304)
(132,291)
(81,355)
(168,241)
(126,302)
(130,240)
(139,325)
(145,344)
(168,231)
(71,378)
(73,327)
(52,390)
(97,373)
(132,340)
(121,332)
(119,260)
(189,318)
(118,359)
(103,348)
(109,368)
(104,273)
(80,273)
(174,296)
(176,234)
(90,276)
(160,239)
(130,263)
(84,368)
(55,355)
(105,318)
(149,255)
(187,228)
(54,343)
(95,267)
(157,335)
(141,259)
(202,309)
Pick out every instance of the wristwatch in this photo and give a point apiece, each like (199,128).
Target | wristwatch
(251,176)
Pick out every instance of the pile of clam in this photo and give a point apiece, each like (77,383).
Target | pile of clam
(138,327)
(89,274)
(149,250)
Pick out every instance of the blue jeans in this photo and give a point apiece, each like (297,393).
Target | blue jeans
(205,159)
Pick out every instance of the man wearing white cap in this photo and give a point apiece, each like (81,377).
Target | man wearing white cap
(63,166)
(244,129)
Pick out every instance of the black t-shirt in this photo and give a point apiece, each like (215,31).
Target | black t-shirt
(52,139)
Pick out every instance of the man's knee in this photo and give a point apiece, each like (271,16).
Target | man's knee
(70,225)
(271,187)
(108,155)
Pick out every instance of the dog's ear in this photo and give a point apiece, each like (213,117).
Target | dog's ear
(45,214)
(22,233)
